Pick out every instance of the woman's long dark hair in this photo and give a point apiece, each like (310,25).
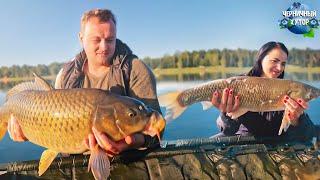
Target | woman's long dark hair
(263,51)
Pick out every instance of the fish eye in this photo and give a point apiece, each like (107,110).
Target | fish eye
(132,113)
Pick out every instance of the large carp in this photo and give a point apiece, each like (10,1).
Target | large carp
(257,94)
(61,119)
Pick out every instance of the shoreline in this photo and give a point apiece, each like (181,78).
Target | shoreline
(192,70)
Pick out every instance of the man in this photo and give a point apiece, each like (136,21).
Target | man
(106,63)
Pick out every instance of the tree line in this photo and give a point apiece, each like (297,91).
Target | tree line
(229,58)
(202,58)
(27,70)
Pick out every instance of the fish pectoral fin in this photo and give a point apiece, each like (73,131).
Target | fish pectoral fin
(99,163)
(206,105)
(237,113)
(285,123)
(46,159)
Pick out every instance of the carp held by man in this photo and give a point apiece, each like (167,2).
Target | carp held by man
(61,119)
(257,94)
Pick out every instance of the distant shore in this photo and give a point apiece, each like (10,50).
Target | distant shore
(17,79)
(235,70)
(192,70)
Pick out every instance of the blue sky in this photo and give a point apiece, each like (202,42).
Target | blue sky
(41,32)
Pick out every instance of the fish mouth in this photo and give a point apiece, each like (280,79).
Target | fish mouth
(155,125)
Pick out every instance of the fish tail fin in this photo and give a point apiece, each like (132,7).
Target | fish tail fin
(99,163)
(285,123)
(171,102)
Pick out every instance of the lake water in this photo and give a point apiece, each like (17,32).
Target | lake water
(193,123)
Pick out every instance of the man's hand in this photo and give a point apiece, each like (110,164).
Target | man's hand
(227,102)
(295,109)
(111,147)
(15,131)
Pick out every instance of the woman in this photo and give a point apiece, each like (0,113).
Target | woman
(270,63)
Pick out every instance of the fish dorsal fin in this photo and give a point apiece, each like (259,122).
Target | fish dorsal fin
(42,83)
(39,84)
(46,159)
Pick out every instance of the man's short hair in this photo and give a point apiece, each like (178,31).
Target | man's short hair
(104,15)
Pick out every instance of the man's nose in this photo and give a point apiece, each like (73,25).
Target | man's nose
(104,45)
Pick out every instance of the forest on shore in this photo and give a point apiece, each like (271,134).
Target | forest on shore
(239,58)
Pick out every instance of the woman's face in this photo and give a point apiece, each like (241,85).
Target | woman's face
(273,63)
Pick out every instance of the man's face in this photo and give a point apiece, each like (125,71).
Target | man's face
(99,40)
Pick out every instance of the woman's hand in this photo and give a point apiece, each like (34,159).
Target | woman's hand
(226,102)
(294,109)
(111,147)
(15,131)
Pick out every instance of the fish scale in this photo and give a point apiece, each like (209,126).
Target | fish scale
(60,124)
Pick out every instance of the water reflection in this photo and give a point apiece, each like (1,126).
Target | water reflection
(180,77)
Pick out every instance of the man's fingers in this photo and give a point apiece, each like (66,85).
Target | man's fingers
(130,140)
(104,142)
(224,99)
(229,101)
(91,141)
(214,99)
(236,103)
